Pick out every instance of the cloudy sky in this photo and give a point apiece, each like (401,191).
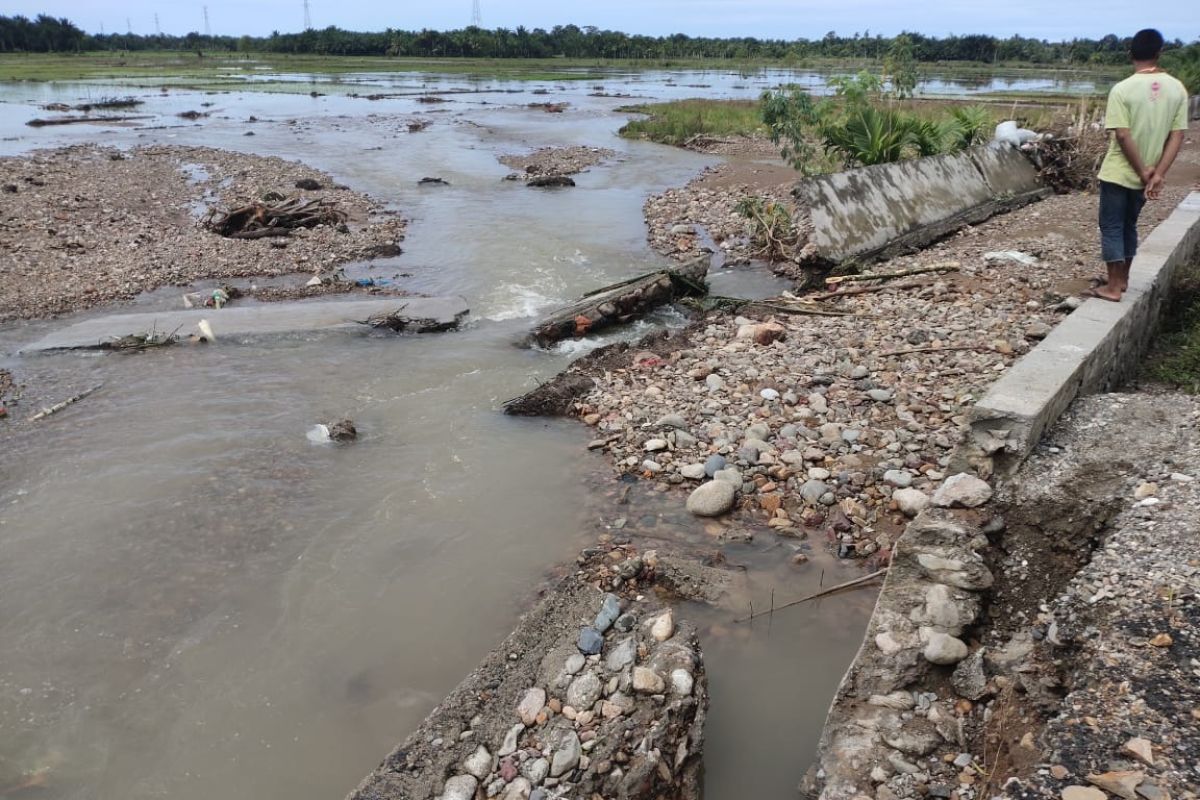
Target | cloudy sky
(787,19)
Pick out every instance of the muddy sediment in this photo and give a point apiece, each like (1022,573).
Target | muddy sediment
(88,225)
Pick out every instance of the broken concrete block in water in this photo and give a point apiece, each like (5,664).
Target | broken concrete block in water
(254,322)
(625,728)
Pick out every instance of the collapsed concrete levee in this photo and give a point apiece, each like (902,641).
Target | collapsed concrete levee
(888,209)
(594,694)
(932,594)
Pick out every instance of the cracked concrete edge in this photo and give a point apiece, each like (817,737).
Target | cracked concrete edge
(864,730)
(485,701)
(1094,349)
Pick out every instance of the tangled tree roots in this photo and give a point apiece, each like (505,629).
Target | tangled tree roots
(1070,160)
(260,220)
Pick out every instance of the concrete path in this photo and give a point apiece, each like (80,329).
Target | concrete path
(242,323)
(1095,348)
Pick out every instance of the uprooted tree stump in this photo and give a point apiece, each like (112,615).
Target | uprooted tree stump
(262,219)
(622,302)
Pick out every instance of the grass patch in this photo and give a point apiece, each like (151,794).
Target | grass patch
(227,67)
(1175,358)
(678,121)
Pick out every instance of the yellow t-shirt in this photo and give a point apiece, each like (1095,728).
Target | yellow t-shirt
(1150,105)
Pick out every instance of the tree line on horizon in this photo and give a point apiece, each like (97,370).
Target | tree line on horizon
(46,34)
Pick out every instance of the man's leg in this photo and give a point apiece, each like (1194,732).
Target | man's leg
(1134,201)
(1112,241)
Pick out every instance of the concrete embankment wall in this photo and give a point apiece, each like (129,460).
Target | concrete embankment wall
(890,208)
(1095,349)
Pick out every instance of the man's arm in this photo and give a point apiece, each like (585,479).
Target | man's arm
(1170,150)
(1129,149)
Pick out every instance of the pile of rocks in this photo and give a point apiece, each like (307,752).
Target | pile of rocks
(593,695)
(1041,668)
(89,225)
(682,222)
(844,425)
(555,161)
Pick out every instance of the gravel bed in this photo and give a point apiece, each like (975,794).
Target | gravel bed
(88,225)
(820,421)
(548,161)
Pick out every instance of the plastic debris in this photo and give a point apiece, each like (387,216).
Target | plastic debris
(1012,255)
(1010,132)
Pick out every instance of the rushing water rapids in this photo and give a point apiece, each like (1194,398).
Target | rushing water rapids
(197,602)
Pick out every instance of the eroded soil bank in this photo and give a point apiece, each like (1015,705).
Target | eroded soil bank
(1075,591)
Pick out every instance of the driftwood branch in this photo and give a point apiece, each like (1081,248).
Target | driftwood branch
(258,220)
(841,587)
(864,290)
(621,302)
(955,348)
(54,409)
(949,266)
(41,123)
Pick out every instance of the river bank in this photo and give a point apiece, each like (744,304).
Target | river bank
(841,427)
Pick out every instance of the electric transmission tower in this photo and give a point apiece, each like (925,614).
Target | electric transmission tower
(307,16)
(157,27)
(128,26)
(476,17)
(207,27)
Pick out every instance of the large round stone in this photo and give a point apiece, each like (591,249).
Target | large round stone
(712,499)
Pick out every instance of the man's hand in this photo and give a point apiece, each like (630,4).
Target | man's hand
(1154,186)
(1147,175)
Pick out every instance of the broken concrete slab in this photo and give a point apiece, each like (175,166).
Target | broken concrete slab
(1097,347)
(889,209)
(250,322)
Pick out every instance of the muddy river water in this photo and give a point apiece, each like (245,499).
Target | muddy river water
(196,602)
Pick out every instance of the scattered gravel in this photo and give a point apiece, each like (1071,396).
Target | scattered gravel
(812,412)
(703,214)
(89,225)
(557,161)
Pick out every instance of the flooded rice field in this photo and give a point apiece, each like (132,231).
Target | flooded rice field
(198,602)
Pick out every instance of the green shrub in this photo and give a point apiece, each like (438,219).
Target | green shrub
(970,125)
(870,136)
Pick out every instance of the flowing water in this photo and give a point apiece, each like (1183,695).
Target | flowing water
(197,602)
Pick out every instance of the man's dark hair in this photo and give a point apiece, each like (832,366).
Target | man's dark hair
(1146,45)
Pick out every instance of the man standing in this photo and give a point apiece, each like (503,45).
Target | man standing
(1147,113)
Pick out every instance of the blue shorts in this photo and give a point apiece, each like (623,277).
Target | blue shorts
(1119,210)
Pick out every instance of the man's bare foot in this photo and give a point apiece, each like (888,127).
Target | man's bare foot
(1105,292)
